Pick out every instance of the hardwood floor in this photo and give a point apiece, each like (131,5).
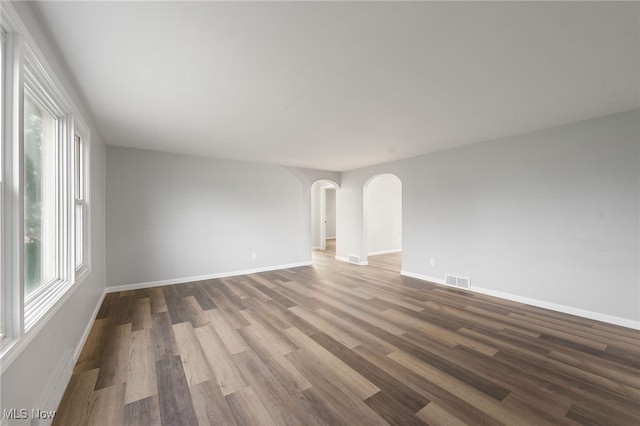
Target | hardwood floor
(342,344)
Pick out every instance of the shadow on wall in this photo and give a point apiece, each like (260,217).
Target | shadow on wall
(382,214)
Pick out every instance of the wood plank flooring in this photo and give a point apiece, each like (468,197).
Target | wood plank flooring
(338,344)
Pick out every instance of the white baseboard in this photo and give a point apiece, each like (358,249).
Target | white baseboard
(375,253)
(423,277)
(64,371)
(87,330)
(57,386)
(610,319)
(136,286)
(346,259)
(624,322)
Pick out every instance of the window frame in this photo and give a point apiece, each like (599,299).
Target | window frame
(41,87)
(2,143)
(12,231)
(81,130)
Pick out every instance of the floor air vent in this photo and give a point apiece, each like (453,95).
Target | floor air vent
(354,259)
(462,282)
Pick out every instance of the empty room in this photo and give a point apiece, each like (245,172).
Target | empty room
(319,213)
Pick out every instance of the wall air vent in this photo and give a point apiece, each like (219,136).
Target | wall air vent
(354,259)
(456,281)
(464,282)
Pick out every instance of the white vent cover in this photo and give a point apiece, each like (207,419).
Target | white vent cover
(354,259)
(464,282)
(456,281)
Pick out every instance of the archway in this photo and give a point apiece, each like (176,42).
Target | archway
(323,214)
(382,215)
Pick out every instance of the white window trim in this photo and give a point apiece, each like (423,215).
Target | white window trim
(40,85)
(81,129)
(20,49)
(2,108)
(13,231)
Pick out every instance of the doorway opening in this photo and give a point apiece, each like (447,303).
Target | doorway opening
(323,217)
(382,209)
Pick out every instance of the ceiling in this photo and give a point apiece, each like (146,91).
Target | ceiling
(342,85)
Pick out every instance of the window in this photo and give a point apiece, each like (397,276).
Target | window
(46,176)
(41,221)
(81,214)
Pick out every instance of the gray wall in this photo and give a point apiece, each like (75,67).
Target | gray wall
(383,214)
(30,380)
(173,216)
(551,215)
(331,213)
(316,214)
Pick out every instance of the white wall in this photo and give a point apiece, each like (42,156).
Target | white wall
(330,207)
(173,216)
(383,214)
(30,381)
(551,215)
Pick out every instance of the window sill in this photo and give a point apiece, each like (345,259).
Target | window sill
(13,347)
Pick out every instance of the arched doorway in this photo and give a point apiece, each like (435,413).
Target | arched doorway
(323,215)
(382,215)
